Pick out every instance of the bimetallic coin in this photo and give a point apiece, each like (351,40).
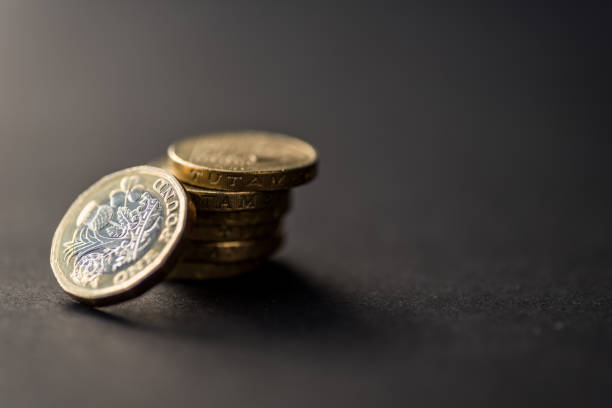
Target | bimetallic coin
(243,161)
(240,218)
(120,236)
(215,200)
(216,233)
(203,271)
(232,251)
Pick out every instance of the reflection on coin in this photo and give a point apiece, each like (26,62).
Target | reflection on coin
(241,218)
(243,161)
(201,271)
(120,236)
(216,233)
(215,200)
(232,251)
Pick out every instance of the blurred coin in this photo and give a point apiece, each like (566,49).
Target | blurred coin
(243,161)
(120,236)
(216,233)
(231,251)
(240,218)
(201,271)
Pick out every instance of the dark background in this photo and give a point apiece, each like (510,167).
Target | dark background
(454,250)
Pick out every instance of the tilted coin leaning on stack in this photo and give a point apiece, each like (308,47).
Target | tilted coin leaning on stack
(212,208)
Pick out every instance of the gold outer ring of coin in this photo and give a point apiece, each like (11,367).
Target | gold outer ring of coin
(243,161)
(216,200)
(216,233)
(151,265)
(203,271)
(231,251)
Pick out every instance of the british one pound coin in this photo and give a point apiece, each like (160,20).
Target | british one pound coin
(243,161)
(120,236)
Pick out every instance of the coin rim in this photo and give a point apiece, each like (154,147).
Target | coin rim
(149,275)
(266,247)
(202,232)
(279,197)
(271,198)
(246,217)
(180,167)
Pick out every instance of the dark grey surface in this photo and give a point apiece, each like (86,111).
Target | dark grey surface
(454,251)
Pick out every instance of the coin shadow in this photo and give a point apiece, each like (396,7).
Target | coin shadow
(277,300)
(88,311)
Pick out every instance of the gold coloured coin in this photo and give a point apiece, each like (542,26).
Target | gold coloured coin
(231,251)
(120,236)
(243,161)
(203,271)
(206,199)
(225,201)
(240,218)
(216,233)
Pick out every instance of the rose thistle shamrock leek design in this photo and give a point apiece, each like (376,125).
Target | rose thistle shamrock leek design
(114,234)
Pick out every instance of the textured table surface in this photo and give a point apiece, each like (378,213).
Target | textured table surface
(454,251)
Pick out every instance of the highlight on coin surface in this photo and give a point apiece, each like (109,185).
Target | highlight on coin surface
(243,161)
(120,236)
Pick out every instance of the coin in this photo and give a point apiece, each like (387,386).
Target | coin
(240,218)
(216,200)
(120,236)
(202,271)
(243,161)
(231,251)
(216,233)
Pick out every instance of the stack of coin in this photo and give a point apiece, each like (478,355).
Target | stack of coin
(239,184)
